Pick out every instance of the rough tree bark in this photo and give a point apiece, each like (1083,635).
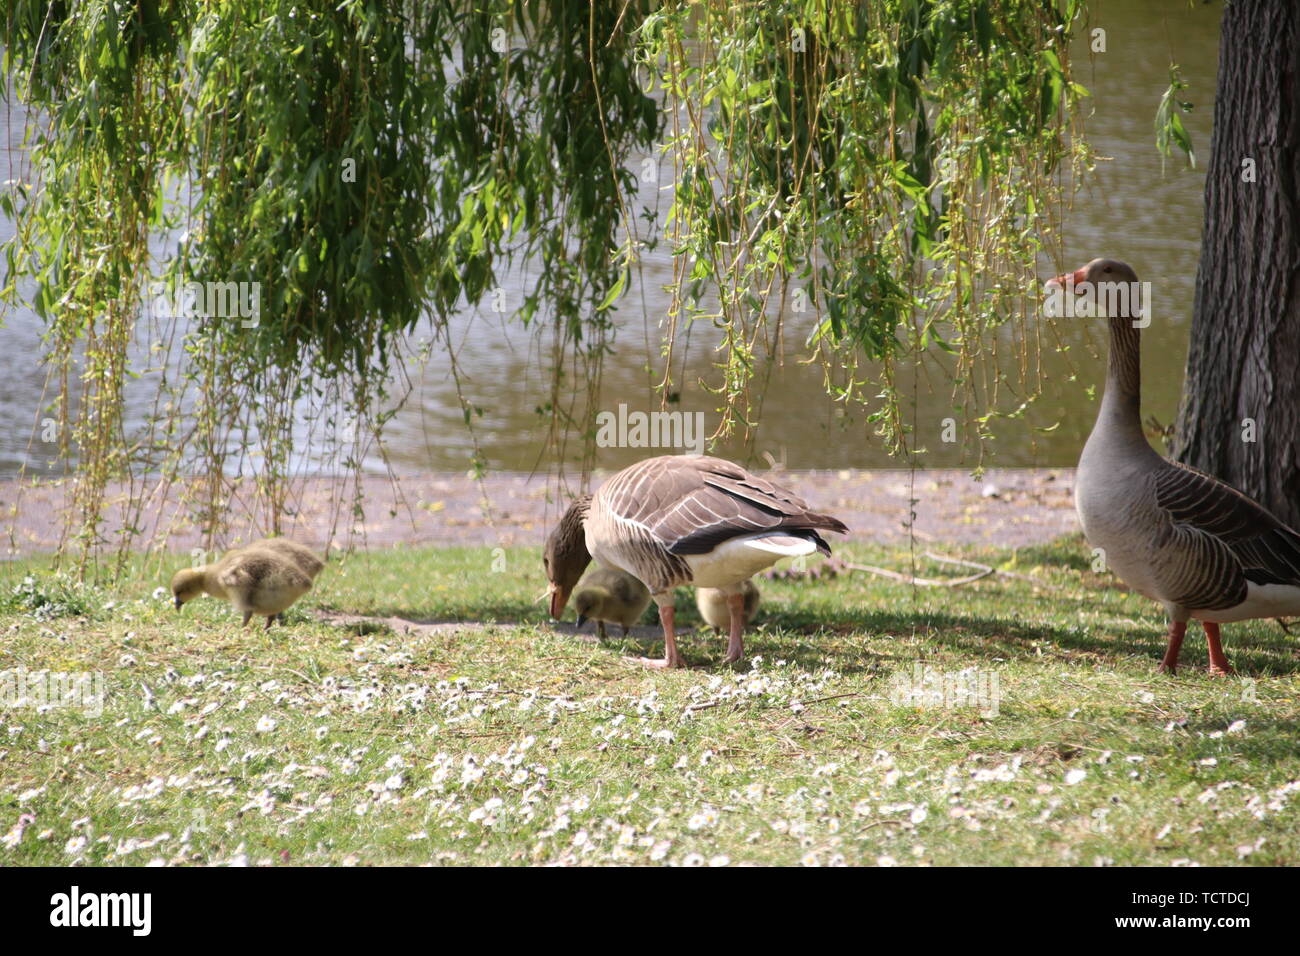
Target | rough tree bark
(1244,361)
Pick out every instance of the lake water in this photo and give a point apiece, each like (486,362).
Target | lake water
(1129,210)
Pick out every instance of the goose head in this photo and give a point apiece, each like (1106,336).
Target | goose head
(1108,286)
(565,555)
(187,584)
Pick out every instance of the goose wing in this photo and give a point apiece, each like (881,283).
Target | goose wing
(690,505)
(1232,539)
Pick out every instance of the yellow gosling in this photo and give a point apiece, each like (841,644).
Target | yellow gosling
(712,604)
(256,579)
(609,596)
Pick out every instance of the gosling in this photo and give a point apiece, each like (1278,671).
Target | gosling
(606,595)
(306,560)
(712,605)
(264,578)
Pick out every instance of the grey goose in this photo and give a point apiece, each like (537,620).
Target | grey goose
(1199,547)
(683,520)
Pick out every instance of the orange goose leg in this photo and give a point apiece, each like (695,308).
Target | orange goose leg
(1219,665)
(671,657)
(735,640)
(1177,629)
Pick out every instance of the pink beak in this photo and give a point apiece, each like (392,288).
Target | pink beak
(559,598)
(1076,278)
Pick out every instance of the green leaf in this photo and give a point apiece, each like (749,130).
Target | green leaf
(615,291)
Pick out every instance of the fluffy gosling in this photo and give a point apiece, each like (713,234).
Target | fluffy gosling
(606,595)
(301,555)
(264,578)
(712,605)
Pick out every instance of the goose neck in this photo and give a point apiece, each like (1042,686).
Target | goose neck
(1121,403)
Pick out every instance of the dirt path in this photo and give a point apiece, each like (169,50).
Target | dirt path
(1011,508)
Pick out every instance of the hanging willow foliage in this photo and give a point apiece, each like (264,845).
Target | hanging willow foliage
(351,169)
(888,166)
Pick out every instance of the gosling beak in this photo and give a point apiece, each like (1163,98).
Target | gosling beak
(179,603)
(582,619)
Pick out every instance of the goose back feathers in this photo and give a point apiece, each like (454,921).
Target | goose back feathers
(660,519)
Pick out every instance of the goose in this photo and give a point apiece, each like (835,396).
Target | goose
(715,610)
(610,596)
(683,520)
(262,578)
(1199,547)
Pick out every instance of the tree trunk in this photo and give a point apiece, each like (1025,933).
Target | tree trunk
(1240,418)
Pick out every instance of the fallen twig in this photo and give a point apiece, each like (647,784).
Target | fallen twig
(881,823)
(984,572)
(818,700)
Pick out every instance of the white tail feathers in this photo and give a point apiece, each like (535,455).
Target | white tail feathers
(787,545)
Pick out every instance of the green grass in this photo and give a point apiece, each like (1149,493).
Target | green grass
(507,741)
